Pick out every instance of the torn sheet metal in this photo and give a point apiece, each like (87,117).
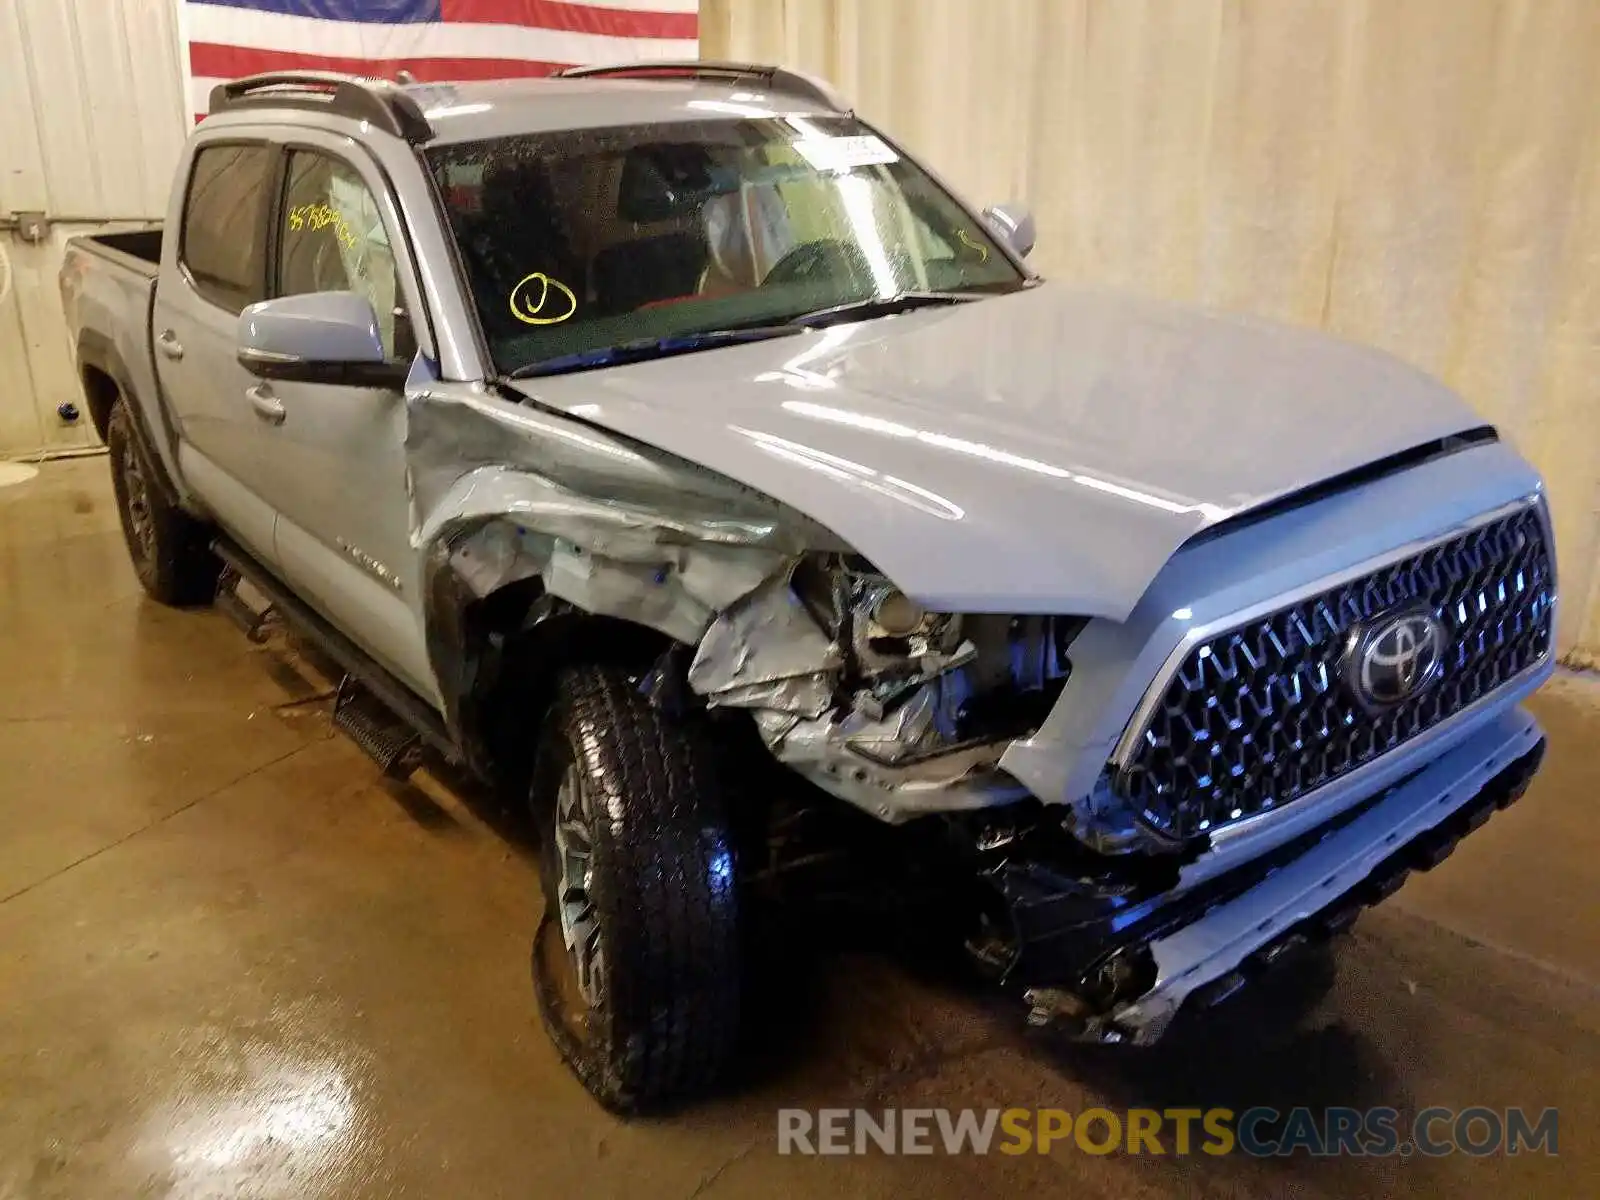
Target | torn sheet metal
(821,750)
(613,528)
(503,493)
(769,654)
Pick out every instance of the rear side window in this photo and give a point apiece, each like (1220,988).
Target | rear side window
(224,223)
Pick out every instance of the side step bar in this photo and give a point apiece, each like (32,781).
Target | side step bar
(379,713)
(387,740)
(255,623)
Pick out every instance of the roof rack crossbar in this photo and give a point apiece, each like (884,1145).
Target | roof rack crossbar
(778,79)
(375,100)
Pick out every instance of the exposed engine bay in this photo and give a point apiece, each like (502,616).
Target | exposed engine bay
(880,702)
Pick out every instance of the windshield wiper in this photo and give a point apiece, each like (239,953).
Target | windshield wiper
(881,306)
(641,349)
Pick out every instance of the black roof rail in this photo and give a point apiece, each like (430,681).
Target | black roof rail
(777,79)
(376,100)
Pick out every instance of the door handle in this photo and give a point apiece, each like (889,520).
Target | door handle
(268,407)
(169,345)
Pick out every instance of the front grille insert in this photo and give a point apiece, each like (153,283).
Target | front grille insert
(1257,717)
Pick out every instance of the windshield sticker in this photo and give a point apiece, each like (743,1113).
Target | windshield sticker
(313,217)
(539,300)
(843,153)
(965,239)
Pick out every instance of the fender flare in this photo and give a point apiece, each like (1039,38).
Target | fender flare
(97,352)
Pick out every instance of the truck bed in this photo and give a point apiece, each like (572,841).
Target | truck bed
(138,250)
(108,287)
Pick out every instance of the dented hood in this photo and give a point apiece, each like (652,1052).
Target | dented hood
(1045,451)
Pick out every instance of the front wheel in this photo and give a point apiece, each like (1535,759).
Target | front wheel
(169,548)
(636,961)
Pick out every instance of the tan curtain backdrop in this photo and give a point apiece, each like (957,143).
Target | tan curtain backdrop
(1420,175)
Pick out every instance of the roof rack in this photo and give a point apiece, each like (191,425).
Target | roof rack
(777,79)
(375,100)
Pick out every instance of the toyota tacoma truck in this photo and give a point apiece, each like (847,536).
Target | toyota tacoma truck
(631,435)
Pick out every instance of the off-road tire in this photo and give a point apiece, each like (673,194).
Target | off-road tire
(663,883)
(169,549)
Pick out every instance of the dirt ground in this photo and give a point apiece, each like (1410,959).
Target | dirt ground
(234,962)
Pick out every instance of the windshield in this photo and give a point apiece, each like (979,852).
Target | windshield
(577,241)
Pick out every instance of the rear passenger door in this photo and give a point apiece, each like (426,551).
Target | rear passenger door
(337,471)
(217,267)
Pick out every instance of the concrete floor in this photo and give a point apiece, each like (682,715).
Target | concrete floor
(234,963)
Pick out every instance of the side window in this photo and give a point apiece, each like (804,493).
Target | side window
(333,240)
(224,223)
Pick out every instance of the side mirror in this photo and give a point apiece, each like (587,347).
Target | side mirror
(1014,223)
(320,337)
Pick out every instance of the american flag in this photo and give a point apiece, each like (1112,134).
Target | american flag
(433,39)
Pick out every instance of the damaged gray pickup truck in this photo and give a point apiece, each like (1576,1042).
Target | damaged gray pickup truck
(626,433)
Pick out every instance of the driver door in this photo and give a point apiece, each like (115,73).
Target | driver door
(343,496)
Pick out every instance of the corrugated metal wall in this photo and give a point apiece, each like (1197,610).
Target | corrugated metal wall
(1421,175)
(91,122)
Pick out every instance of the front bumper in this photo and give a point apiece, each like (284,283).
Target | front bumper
(1320,891)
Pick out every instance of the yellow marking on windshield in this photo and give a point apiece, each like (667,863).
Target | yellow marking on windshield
(531,297)
(966,240)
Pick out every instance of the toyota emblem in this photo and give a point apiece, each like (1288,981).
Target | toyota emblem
(1394,657)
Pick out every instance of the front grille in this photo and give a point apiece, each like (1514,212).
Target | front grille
(1259,716)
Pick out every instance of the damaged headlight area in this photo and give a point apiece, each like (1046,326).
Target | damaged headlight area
(881,702)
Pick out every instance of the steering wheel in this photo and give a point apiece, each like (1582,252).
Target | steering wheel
(810,262)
